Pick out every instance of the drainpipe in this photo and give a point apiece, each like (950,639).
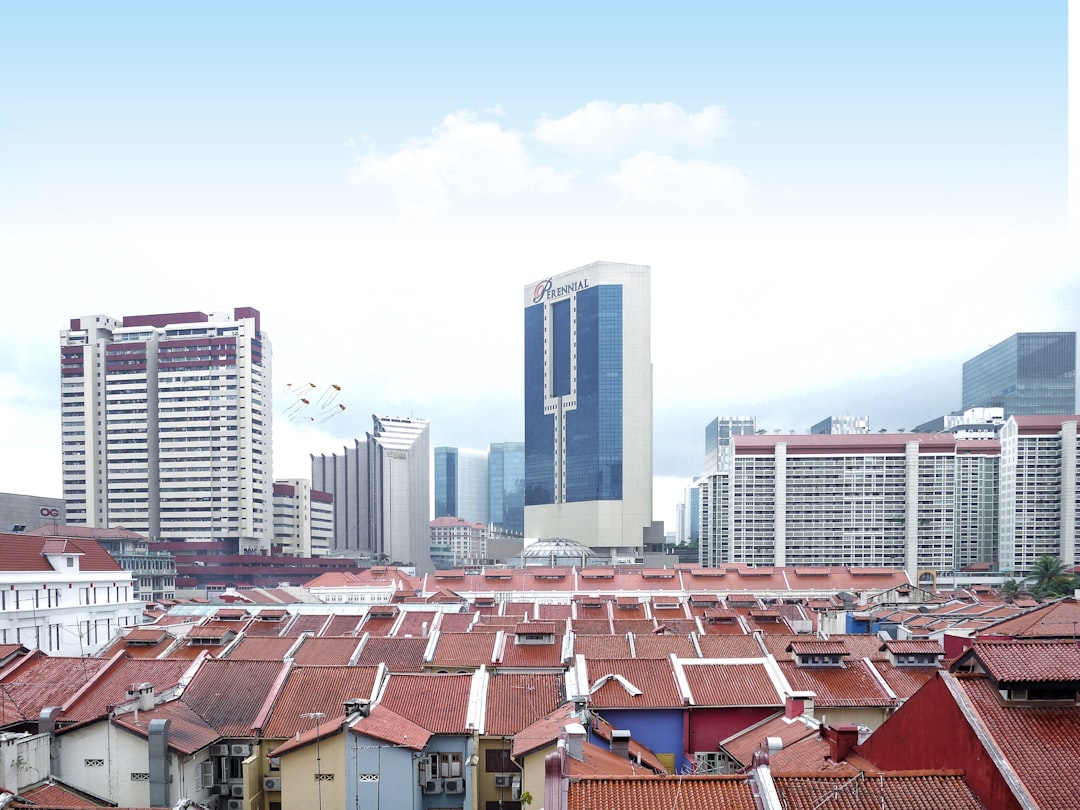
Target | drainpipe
(47,725)
(157,739)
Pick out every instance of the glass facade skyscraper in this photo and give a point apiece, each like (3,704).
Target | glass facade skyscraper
(506,485)
(1030,373)
(461,484)
(588,407)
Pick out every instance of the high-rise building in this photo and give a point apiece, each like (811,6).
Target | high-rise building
(1030,373)
(921,502)
(588,408)
(506,486)
(303,519)
(1040,473)
(461,484)
(718,435)
(167,426)
(382,490)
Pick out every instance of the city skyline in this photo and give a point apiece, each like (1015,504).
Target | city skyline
(840,203)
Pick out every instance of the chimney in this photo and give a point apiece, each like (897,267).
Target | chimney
(842,738)
(798,703)
(575,741)
(146,696)
(620,743)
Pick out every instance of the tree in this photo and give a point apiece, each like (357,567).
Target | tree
(1010,589)
(1049,577)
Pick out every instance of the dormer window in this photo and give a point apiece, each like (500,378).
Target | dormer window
(1065,693)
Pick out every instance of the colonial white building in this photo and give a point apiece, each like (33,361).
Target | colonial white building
(66,597)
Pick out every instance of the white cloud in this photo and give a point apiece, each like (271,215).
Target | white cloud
(464,157)
(652,179)
(601,129)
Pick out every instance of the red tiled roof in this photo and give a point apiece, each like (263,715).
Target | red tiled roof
(834,687)
(715,683)
(399,654)
(1055,620)
(913,647)
(916,790)
(814,647)
(317,689)
(464,650)
(25,552)
(654,677)
(1039,743)
(109,688)
(742,746)
(661,646)
(37,681)
(53,796)
(383,724)
(188,732)
(262,648)
(515,701)
(326,650)
(729,646)
(602,645)
(1031,661)
(413,696)
(655,792)
(232,695)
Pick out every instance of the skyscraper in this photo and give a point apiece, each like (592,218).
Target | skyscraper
(588,408)
(1030,373)
(381,488)
(506,485)
(461,484)
(718,433)
(167,426)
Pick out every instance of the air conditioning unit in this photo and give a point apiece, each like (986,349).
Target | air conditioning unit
(235,804)
(272,783)
(454,785)
(504,780)
(219,750)
(240,750)
(432,786)
(236,791)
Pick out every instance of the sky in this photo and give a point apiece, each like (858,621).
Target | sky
(840,201)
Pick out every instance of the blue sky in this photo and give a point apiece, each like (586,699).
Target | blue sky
(840,201)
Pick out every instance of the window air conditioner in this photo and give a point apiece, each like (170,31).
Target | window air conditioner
(504,780)
(219,750)
(236,791)
(240,750)
(272,783)
(235,804)
(455,785)
(433,786)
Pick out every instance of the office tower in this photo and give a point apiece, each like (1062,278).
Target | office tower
(905,500)
(461,484)
(1030,373)
(718,435)
(1038,501)
(381,488)
(167,426)
(303,519)
(841,425)
(506,486)
(588,408)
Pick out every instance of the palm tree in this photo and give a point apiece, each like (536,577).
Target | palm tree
(1050,577)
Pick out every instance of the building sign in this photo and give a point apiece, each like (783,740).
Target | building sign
(547,291)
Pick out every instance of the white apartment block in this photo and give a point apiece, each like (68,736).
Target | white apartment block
(167,426)
(884,500)
(303,519)
(1038,501)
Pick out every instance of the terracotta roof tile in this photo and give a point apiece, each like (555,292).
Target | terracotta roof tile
(231,695)
(661,646)
(463,650)
(729,646)
(413,696)
(897,790)
(37,681)
(25,552)
(317,689)
(399,654)
(316,650)
(109,688)
(383,724)
(1037,661)
(603,645)
(515,701)
(653,677)
(1039,743)
(262,648)
(660,793)
(188,732)
(847,686)
(718,683)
